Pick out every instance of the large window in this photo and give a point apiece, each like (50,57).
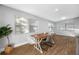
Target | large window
(21,25)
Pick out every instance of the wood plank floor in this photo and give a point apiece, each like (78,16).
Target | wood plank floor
(64,45)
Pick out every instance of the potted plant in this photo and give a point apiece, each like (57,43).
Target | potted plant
(5,31)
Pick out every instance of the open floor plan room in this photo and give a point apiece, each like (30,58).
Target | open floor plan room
(39,29)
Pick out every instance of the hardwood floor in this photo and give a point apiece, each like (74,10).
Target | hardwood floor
(64,45)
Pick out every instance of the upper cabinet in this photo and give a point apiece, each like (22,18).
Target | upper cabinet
(68,25)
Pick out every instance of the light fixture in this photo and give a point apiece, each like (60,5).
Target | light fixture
(63,18)
(56,10)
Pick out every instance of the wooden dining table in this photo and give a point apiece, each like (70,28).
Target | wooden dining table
(38,39)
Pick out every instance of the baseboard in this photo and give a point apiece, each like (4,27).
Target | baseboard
(17,45)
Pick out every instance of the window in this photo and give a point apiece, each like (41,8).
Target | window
(35,26)
(51,27)
(21,25)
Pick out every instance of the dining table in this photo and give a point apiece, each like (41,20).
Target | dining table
(39,38)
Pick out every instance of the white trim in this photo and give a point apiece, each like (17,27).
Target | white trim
(17,45)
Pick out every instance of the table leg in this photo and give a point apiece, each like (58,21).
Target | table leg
(38,46)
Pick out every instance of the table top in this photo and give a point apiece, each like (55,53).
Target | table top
(40,36)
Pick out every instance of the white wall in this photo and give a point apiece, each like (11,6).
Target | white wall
(7,16)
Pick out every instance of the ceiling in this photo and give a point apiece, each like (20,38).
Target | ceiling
(53,12)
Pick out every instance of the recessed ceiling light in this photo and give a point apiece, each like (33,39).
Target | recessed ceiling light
(63,18)
(56,9)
